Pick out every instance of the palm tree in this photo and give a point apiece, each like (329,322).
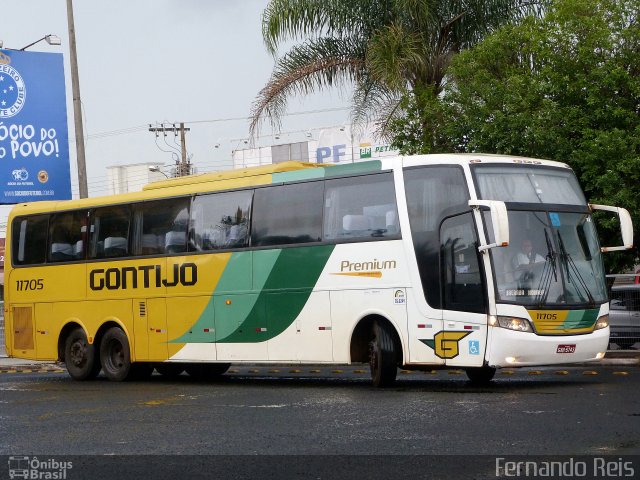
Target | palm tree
(383,48)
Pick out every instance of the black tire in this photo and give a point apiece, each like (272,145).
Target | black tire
(206,371)
(115,355)
(170,370)
(80,357)
(382,357)
(480,375)
(624,344)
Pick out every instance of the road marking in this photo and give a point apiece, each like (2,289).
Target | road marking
(621,373)
(562,372)
(590,372)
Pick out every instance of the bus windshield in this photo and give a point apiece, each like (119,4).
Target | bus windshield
(554,256)
(553,259)
(525,184)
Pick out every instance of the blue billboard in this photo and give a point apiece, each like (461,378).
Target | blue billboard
(34,147)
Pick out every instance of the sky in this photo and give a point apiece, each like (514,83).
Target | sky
(144,62)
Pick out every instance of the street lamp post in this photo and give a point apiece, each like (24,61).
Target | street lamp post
(77,107)
(156,168)
(50,39)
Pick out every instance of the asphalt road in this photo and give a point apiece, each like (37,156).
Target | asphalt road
(299,411)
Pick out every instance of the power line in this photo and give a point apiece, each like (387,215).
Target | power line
(139,128)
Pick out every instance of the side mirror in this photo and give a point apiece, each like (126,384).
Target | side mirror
(626,226)
(499,220)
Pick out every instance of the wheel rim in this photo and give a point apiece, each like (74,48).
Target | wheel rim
(78,353)
(115,354)
(373,355)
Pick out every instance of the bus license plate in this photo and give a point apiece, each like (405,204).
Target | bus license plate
(569,348)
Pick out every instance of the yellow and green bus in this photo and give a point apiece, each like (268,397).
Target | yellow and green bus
(410,262)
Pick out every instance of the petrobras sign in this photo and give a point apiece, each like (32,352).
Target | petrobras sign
(339,145)
(34,147)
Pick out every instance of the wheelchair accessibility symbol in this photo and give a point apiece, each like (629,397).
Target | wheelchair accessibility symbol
(474,347)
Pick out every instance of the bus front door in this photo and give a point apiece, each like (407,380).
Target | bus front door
(463,339)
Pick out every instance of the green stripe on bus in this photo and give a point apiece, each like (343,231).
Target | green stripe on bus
(297,175)
(353,168)
(283,280)
(285,293)
(580,319)
(232,283)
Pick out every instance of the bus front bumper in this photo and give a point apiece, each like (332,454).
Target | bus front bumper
(508,348)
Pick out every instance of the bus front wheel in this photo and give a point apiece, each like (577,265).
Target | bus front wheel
(115,355)
(80,356)
(382,356)
(480,375)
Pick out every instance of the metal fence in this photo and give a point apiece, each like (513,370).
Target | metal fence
(624,311)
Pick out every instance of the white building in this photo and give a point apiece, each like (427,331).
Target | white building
(329,145)
(132,177)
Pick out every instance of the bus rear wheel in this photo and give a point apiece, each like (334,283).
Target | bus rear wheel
(115,355)
(382,357)
(80,357)
(480,375)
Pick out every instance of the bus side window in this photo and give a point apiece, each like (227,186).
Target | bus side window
(66,233)
(358,208)
(110,232)
(161,226)
(460,269)
(288,214)
(220,221)
(30,240)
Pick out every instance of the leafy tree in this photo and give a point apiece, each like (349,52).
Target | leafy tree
(383,48)
(565,87)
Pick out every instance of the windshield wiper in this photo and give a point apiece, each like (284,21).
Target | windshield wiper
(570,267)
(549,269)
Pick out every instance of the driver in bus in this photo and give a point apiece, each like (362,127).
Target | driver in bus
(525,259)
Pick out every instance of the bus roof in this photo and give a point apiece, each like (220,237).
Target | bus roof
(265,175)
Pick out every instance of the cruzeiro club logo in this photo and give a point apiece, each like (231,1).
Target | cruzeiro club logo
(13,91)
(445,344)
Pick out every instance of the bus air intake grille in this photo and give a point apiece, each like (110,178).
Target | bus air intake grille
(23,328)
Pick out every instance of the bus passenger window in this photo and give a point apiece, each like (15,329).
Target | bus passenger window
(66,236)
(161,226)
(360,208)
(110,232)
(220,221)
(29,240)
(288,214)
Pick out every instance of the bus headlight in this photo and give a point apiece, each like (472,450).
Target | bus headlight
(515,323)
(603,322)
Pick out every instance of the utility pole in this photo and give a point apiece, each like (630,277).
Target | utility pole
(183,167)
(77,107)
